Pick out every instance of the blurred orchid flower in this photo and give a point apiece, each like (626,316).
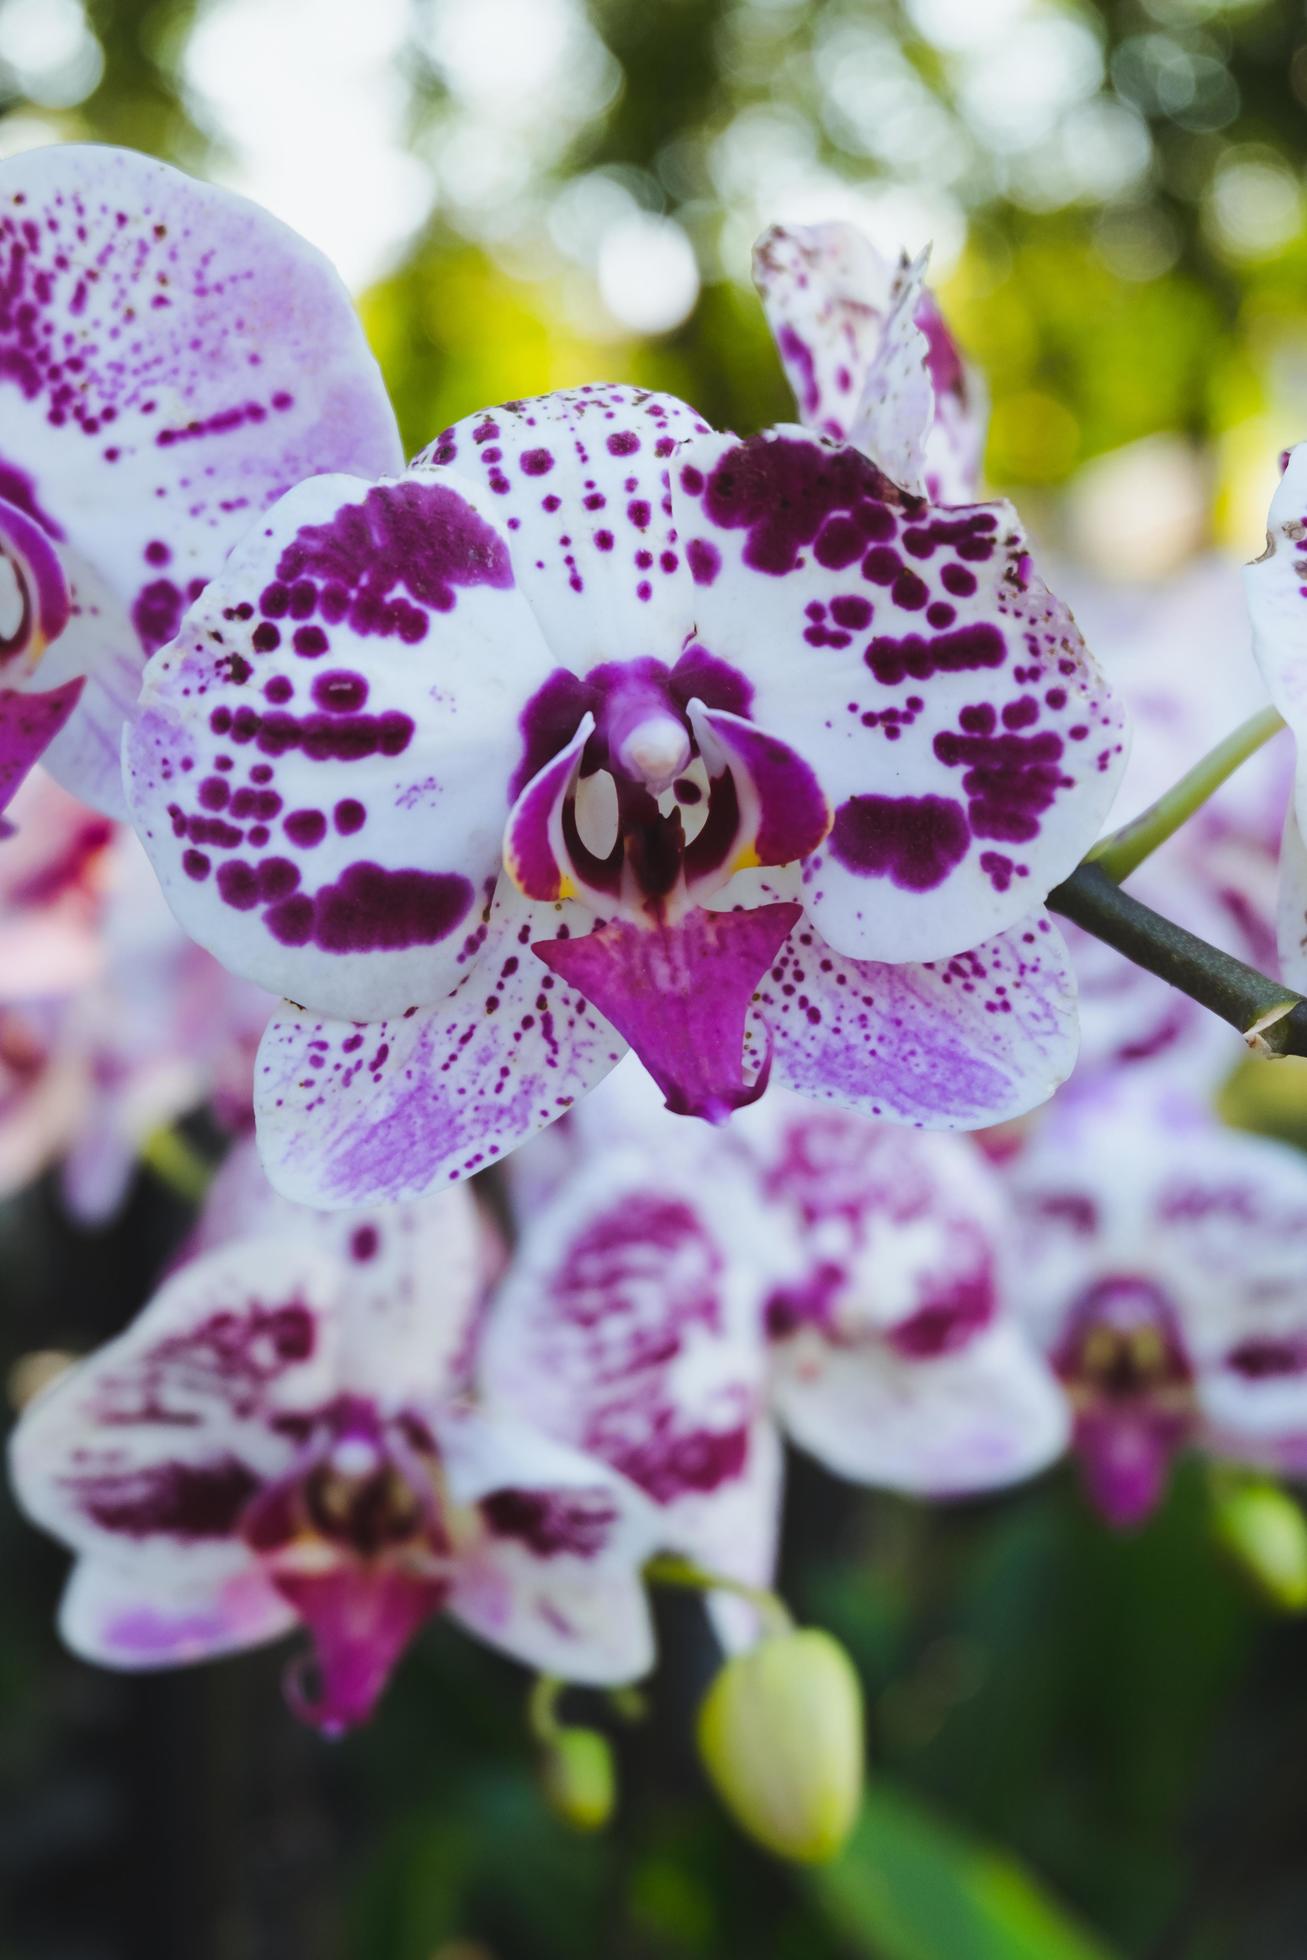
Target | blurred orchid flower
(1160,1265)
(1276,585)
(281,1437)
(112,1022)
(600,727)
(172,358)
(870,359)
(672,1309)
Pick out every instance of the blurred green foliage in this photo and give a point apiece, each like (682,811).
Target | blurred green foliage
(1080,1745)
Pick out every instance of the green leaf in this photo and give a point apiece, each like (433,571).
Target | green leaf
(910,1887)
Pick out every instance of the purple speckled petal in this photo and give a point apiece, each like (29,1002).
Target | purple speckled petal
(869,358)
(552,1571)
(34,598)
(1291,904)
(782,812)
(536,857)
(986,1413)
(949,1045)
(117,1618)
(29,722)
(151,1449)
(321,766)
(954,718)
(627,1325)
(580,480)
(172,359)
(680,994)
(351,1115)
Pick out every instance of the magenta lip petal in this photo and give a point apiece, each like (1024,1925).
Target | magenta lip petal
(361,1620)
(28,725)
(1125,1459)
(680,995)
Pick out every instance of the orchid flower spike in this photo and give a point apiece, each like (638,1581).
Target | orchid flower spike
(1160,1267)
(870,359)
(281,1439)
(172,358)
(598,727)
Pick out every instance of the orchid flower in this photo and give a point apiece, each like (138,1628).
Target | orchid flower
(1277,600)
(870,359)
(598,727)
(673,1310)
(1160,1265)
(281,1439)
(171,359)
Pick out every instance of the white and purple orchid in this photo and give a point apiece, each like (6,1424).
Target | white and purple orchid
(172,358)
(283,1437)
(674,1310)
(1276,585)
(598,727)
(1160,1261)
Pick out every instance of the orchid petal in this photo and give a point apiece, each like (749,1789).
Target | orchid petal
(118,1617)
(155,1445)
(350,1115)
(912,657)
(1291,909)
(680,994)
(187,358)
(552,1575)
(323,802)
(985,1414)
(29,723)
(580,480)
(782,816)
(951,1044)
(1276,587)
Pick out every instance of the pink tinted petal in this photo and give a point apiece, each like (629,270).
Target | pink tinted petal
(321,767)
(362,1618)
(953,1044)
(146,454)
(782,812)
(411,1274)
(536,856)
(352,1114)
(118,1617)
(1125,1460)
(679,994)
(34,600)
(898,402)
(29,723)
(552,1572)
(580,479)
(988,1413)
(151,1449)
(943,696)
(54,873)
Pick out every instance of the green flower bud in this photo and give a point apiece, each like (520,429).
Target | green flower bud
(781,1736)
(1264,1530)
(580,1778)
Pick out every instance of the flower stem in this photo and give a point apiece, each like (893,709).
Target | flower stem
(177,1163)
(1271,1018)
(667,1571)
(1125,849)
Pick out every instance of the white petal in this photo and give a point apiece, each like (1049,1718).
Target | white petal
(125,1618)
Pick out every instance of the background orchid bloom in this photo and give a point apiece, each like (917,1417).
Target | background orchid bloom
(280,1438)
(173,359)
(1160,1266)
(112,1022)
(672,1308)
(870,359)
(575,735)
(1277,602)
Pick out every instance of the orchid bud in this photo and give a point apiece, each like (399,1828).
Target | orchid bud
(1264,1530)
(780,1734)
(580,1778)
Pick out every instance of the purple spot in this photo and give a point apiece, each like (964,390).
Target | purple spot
(915,841)
(370,909)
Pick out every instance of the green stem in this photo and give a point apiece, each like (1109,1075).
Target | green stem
(1125,850)
(177,1163)
(1271,1018)
(542,1709)
(668,1571)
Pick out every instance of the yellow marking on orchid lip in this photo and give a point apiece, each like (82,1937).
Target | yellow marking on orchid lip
(747,859)
(566,888)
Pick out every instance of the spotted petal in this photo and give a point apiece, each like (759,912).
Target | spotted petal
(155,1445)
(121,1618)
(552,1575)
(580,480)
(353,1115)
(174,359)
(911,656)
(950,1044)
(321,768)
